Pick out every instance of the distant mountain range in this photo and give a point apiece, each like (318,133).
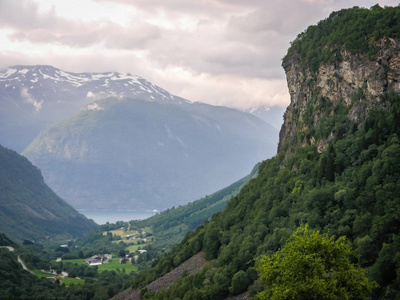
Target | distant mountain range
(118,141)
(29,209)
(33,97)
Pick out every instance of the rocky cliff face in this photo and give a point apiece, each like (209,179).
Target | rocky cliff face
(355,82)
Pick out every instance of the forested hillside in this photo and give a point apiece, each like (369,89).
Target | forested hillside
(337,168)
(29,209)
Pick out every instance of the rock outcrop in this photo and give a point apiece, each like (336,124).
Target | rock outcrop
(355,82)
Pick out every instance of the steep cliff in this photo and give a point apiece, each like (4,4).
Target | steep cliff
(342,78)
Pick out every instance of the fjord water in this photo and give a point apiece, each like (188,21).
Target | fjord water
(112,216)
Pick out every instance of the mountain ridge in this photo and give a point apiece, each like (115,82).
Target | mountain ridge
(125,82)
(29,209)
(123,150)
(33,97)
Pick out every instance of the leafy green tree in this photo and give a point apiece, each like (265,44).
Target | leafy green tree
(313,266)
(240,282)
(211,243)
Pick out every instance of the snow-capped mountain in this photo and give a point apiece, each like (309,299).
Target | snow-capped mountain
(33,97)
(34,78)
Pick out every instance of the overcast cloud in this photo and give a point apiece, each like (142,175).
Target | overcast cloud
(223,52)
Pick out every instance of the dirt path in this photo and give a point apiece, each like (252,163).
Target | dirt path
(192,265)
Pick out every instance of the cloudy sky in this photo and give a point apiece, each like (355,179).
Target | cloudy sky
(223,52)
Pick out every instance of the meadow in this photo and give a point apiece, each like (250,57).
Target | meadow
(112,265)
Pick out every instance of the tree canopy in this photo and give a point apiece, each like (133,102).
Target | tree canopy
(313,266)
(357,29)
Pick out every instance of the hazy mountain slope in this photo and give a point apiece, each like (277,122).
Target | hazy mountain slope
(337,168)
(271,115)
(140,154)
(171,225)
(29,209)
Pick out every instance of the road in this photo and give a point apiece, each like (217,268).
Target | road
(19,259)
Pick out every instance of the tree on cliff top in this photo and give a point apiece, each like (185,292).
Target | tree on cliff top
(313,266)
(359,30)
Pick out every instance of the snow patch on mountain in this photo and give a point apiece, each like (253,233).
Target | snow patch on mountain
(7,73)
(94,106)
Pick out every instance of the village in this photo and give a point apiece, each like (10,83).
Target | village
(125,260)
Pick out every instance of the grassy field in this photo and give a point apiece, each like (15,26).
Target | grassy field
(74,261)
(68,281)
(39,273)
(114,265)
(123,233)
(133,248)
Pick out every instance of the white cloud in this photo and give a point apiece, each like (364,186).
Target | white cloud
(222,51)
(37,105)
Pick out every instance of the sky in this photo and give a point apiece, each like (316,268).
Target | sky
(222,52)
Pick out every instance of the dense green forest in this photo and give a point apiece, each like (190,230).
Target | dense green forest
(351,189)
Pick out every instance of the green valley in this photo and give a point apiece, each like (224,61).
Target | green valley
(319,220)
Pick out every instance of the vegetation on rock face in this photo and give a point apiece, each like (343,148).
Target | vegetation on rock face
(356,29)
(313,266)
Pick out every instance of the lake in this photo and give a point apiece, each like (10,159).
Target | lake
(112,216)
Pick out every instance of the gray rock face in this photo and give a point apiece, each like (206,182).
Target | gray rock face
(340,83)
